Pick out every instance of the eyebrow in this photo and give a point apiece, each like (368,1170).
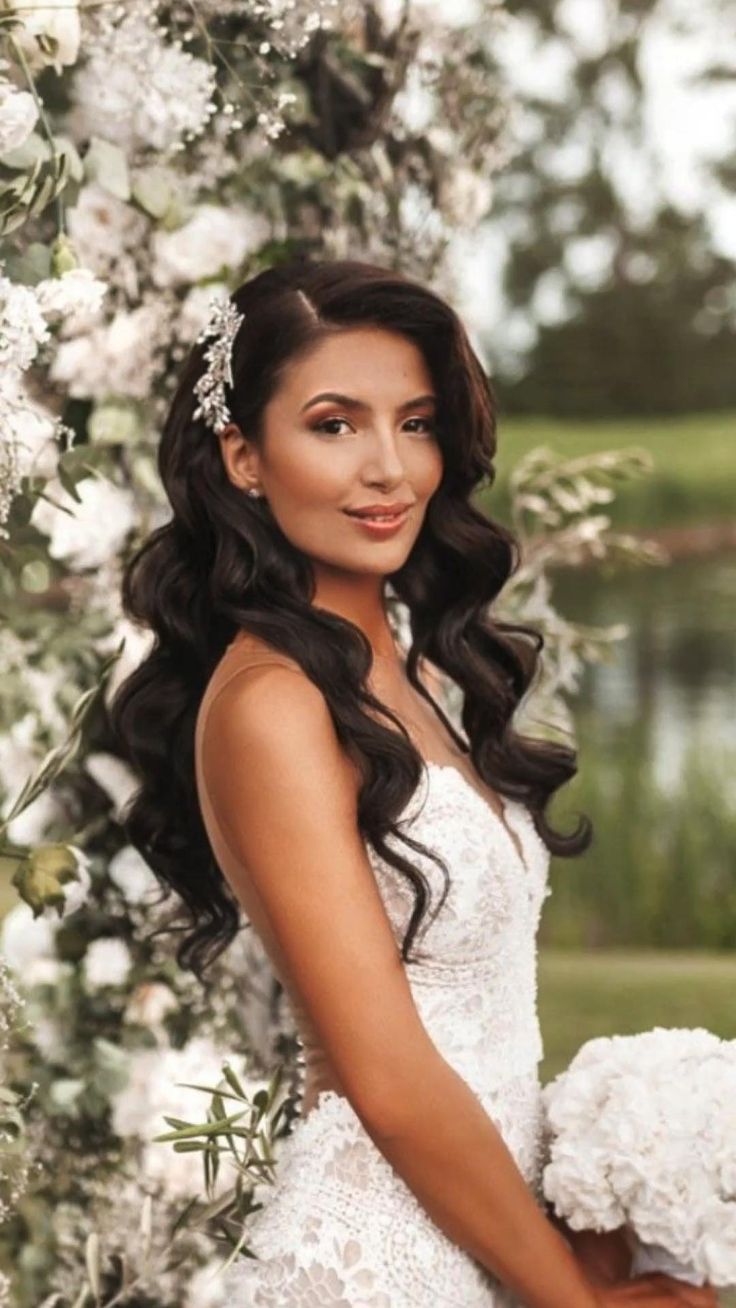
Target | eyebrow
(348,402)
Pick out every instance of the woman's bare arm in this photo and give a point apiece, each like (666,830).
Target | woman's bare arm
(284,793)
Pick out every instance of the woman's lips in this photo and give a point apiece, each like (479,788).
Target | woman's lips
(383,526)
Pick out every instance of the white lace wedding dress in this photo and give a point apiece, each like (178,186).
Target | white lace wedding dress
(339,1227)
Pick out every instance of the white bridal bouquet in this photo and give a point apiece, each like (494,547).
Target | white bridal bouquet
(641,1133)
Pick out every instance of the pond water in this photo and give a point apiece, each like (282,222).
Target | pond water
(672,680)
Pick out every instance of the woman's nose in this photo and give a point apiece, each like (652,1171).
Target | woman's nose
(384,455)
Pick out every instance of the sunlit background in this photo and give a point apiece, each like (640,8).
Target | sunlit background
(602,291)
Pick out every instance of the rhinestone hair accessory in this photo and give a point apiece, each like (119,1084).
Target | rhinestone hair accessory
(223,323)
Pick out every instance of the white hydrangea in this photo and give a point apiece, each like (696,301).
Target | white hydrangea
(214,237)
(22,326)
(140,91)
(18,116)
(642,1133)
(29,428)
(116,358)
(76,296)
(107,962)
(91,531)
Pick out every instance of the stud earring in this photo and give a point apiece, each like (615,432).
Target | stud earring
(254,491)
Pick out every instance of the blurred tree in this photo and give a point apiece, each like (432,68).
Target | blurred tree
(628,306)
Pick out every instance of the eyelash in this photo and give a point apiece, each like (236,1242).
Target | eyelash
(320,425)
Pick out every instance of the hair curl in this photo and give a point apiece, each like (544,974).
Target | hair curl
(221,564)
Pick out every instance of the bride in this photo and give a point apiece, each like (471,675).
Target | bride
(329,428)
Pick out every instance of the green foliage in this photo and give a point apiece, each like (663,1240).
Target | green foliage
(660,870)
(692,457)
(642,316)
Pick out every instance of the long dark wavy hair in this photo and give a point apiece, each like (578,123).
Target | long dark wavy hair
(221,564)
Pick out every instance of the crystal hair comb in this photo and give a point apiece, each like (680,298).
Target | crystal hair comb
(222,324)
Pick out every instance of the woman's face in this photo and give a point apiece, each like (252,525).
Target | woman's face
(376,444)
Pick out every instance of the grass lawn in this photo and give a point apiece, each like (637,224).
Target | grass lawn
(620,992)
(694,473)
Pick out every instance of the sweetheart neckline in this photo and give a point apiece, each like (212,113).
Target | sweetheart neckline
(513,835)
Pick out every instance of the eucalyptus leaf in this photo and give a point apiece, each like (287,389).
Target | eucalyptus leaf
(36,148)
(154,190)
(232,1080)
(207,1128)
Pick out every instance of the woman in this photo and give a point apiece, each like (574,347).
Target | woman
(329,428)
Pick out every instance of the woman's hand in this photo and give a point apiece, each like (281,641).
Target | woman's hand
(605,1255)
(606,1258)
(655,1290)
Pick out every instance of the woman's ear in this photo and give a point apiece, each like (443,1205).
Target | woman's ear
(239,456)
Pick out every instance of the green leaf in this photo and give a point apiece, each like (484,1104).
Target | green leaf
(207,1128)
(154,191)
(107,164)
(232,1080)
(57,758)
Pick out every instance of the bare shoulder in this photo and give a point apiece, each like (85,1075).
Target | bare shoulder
(270,722)
(248,650)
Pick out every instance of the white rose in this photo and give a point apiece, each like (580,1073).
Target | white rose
(107,962)
(58,19)
(18,115)
(213,238)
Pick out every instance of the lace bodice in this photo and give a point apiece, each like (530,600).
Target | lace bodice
(340,1227)
(475,978)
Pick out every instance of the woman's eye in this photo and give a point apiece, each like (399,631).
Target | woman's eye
(428,423)
(322,426)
